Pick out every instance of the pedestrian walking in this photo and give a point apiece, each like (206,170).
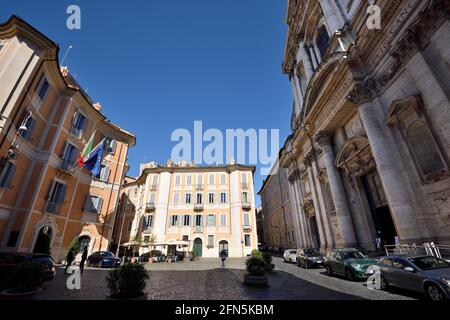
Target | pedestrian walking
(83,259)
(223,258)
(69,260)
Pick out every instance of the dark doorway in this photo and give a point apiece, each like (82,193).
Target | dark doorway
(198,246)
(223,248)
(379,208)
(43,241)
(314,232)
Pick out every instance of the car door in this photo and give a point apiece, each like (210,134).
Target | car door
(94,258)
(388,271)
(406,279)
(339,263)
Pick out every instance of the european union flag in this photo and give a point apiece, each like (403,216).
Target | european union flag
(94,160)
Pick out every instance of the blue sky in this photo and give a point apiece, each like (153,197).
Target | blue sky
(156,66)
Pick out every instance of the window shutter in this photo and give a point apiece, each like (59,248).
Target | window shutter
(30,128)
(75,118)
(87,203)
(113,146)
(99,205)
(11,173)
(64,150)
(84,122)
(62,193)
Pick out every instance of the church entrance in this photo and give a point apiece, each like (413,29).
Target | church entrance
(379,208)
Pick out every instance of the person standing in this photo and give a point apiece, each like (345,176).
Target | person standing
(223,258)
(83,259)
(69,260)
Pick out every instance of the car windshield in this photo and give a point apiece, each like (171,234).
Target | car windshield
(430,263)
(353,255)
(106,254)
(293,251)
(312,252)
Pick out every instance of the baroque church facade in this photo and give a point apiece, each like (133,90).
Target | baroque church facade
(368,156)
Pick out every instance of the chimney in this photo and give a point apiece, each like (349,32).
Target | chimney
(97,106)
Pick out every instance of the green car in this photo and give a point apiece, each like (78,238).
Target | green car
(350,263)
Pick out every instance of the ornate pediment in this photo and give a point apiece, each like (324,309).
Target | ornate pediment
(308,207)
(355,156)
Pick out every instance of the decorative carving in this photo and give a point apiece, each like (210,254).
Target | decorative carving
(308,208)
(363,92)
(355,157)
(322,175)
(294,175)
(324,138)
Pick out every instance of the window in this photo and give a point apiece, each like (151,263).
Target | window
(56,197)
(199,198)
(199,181)
(29,123)
(211,198)
(110,145)
(399,264)
(69,156)
(222,179)
(223,197)
(154,180)
(93,204)
(177,180)
(223,220)
(211,179)
(187,220)
(151,198)
(13,237)
(322,40)
(176,197)
(148,222)
(424,148)
(174,221)
(43,89)
(247,240)
(210,241)
(185,238)
(386,262)
(188,198)
(188,180)
(104,173)
(198,220)
(211,220)
(7,175)
(79,123)
(244,196)
(246,220)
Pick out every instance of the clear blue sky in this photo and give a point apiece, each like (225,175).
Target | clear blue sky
(159,65)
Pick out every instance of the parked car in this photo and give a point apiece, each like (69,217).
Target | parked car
(289,255)
(425,274)
(103,259)
(310,258)
(8,261)
(350,263)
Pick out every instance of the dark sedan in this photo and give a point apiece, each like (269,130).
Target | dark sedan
(425,274)
(102,259)
(9,261)
(310,258)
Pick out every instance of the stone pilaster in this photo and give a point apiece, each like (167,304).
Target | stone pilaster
(345,236)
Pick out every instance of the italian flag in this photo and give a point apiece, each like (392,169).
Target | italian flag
(86,151)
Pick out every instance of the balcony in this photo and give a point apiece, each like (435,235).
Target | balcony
(52,207)
(198,229)
(199,186)
(199,207)
(247,229)
(246,206)
(147,230)
(150,207)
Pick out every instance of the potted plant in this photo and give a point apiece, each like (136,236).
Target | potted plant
(268,265)
(255,267)
(128,282)
(26,282)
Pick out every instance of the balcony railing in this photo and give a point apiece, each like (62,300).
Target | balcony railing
(75,131)
(52,207)
(67,165)
(198,229)
(246,205)
(150,207)
(199,207)
(199,186)
(247,228)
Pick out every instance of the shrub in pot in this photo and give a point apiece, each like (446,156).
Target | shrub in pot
(128,282)
(268,265)
(26,280)
(255,274)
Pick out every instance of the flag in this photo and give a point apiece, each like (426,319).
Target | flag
(93,162)
(87,149)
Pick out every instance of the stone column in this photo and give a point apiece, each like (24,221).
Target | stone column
(388,165)
(308,65)
(343,214)
(332,18)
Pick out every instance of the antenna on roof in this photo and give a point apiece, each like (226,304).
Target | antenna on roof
(65,55)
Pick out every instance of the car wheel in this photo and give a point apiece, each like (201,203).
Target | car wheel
(298,263)
(329,271)
(435,293)
(383,284)
(100,264)
(349,274)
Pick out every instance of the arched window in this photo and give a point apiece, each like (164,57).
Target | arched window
(424,148)
(322,40)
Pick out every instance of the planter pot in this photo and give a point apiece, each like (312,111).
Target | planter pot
(125,296)
(13,294)
(269,267)
(255,280)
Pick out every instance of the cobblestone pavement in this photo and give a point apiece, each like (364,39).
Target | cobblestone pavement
(205,279)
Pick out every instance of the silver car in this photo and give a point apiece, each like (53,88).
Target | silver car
(425,274)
